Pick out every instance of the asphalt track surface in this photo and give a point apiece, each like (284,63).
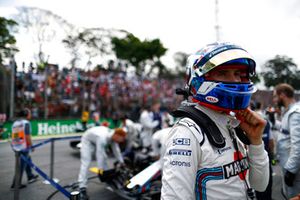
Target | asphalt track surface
(66,168)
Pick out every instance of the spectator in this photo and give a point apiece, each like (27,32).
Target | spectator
(288,141)
(97,88)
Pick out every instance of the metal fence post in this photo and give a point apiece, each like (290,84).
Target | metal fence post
(52,159)
(12,88)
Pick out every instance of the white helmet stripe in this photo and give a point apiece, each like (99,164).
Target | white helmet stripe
(206,87)
(224,57)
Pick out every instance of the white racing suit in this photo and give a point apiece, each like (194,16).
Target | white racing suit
(148,124)
(158,142)
(96,138)
(288,147)
(133,130)
(194,169)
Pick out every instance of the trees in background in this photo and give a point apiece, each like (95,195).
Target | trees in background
(281,69)
(180,59)
(139,53)
(7,39)
(91,42)
(7,51)
(104,44)
(43,26)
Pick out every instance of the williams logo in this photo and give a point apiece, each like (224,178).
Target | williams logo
(182,141)
(211,99)
(180,152)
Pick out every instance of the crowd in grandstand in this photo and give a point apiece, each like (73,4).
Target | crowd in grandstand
(72,91)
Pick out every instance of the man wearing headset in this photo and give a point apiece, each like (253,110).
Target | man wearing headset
(219,85)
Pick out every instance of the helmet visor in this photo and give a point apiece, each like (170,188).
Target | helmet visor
(224,57)
(229,73)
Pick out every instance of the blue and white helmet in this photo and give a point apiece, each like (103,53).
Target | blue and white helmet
(223,96)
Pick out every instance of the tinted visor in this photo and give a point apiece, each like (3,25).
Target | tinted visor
(238,71)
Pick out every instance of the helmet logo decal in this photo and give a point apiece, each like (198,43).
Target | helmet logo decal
(206,87)
(211,99)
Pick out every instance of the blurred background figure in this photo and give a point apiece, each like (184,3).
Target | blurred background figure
(167,120)
(21,140)
(288,142)
(2,121)
(96,118)
(158,143)
(133,133)
(149,123)
(156,115)
(269,147)
(84,119)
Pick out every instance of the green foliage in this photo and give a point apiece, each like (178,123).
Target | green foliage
(137,52)
(91,42)
(180,59)
(7,40)
(281,69)
(255,79)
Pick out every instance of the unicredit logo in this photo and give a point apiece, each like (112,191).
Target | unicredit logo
(211,99)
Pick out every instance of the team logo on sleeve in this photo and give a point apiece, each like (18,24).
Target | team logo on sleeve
(180,163)
(182,141)
(180,152)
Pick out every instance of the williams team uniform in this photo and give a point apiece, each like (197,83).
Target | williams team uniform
(96,139)
(288,146)
(194,169)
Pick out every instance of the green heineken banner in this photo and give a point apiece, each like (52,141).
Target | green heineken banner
(56,127)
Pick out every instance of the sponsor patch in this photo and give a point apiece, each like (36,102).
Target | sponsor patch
(182,141)
(221,151)
(180,152)
(180,163)
(236,168)
(211,99)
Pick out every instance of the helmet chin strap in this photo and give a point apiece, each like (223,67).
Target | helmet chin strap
(230,112)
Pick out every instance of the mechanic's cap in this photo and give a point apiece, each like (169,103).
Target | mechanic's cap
(120,132)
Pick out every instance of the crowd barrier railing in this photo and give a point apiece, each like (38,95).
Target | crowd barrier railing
(73,195)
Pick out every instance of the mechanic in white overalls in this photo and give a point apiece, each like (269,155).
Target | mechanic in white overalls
(97,138)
